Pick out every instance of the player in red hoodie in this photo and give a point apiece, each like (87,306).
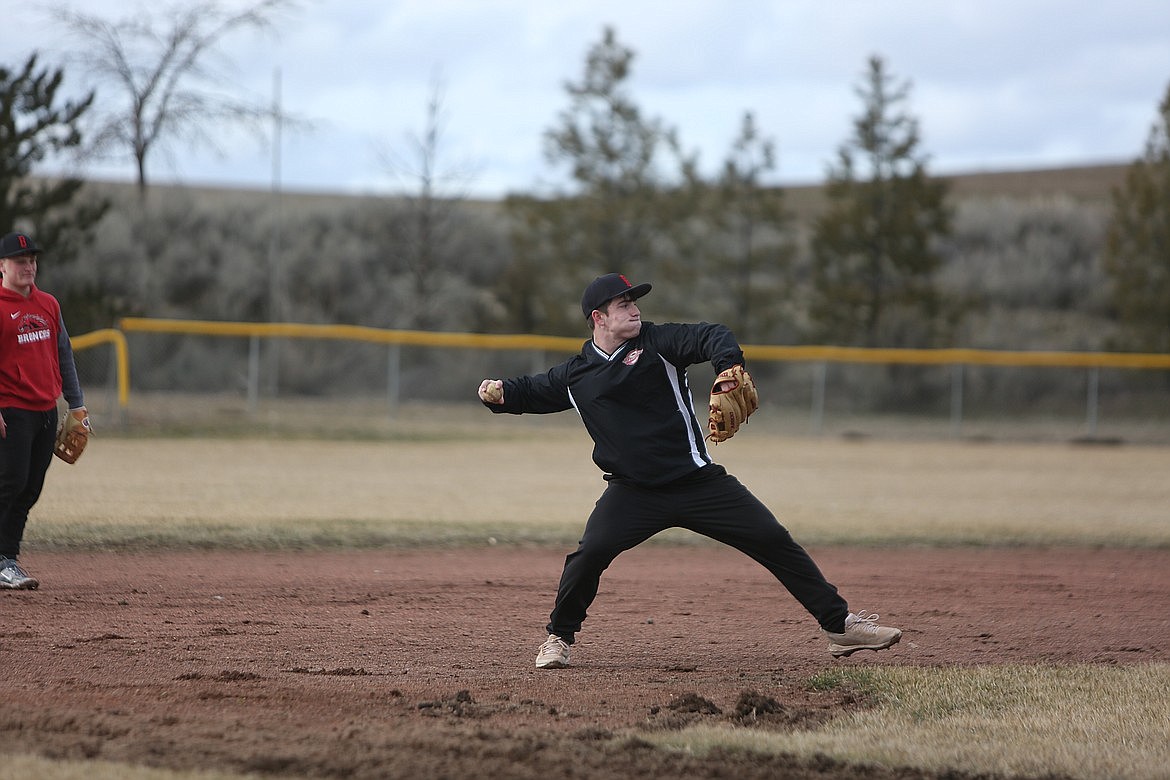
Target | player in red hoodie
(36,368)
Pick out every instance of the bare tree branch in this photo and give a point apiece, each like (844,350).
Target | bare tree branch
(164,66)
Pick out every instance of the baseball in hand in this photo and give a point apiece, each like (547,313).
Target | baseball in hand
(492,391)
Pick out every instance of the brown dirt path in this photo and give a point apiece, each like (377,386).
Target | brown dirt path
(419,663)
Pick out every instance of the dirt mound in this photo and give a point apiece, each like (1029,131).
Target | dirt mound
(420,664)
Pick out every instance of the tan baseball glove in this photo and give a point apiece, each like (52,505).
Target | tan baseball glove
(73,436)
(733,399)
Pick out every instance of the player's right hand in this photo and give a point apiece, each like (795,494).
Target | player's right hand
(491,391)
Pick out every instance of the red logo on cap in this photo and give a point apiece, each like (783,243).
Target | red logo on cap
(24,243)
(624,279)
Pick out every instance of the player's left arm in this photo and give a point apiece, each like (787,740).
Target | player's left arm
(70,385)
(688,344)
(733,393)
(75,430)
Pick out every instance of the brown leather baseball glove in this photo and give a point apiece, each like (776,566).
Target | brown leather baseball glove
(73,436)
(733,399)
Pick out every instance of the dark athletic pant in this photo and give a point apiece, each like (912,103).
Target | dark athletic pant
(24,458)
(712,503)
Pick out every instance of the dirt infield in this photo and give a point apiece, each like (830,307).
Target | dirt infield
(419,663)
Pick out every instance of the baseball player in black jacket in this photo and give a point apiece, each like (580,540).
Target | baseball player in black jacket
(629,385)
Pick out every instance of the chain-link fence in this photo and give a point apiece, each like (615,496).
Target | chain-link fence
(265,377)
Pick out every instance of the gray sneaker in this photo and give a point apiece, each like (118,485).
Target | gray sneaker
(862,633)
(553,654)
(15,578)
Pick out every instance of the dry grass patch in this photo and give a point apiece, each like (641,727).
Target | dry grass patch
(540,487)
(1079,721)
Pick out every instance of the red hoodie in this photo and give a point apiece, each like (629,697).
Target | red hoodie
(30,372)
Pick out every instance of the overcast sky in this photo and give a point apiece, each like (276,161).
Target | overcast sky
(995,84)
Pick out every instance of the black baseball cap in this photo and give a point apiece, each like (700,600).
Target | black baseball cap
(17,244)
(606,288)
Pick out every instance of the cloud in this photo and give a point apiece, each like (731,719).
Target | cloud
(994,83)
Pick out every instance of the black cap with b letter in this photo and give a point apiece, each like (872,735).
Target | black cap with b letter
(606,288)
(17,244)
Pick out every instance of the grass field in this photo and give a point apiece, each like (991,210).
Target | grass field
(1078,721)
(503,484)
(536,484)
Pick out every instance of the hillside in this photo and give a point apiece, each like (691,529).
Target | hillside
(1089,183)
(1086,183)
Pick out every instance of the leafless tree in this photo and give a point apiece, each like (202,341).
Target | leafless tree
(164,65)
(429,224)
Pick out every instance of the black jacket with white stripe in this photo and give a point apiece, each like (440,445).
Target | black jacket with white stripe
(636,403)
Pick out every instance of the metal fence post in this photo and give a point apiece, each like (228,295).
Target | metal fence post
(394,377)
(253,372)
(818,395)
(112,386)
(1091,402)
(956,399)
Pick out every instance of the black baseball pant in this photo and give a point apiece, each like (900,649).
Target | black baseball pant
(712,503)
(25,453)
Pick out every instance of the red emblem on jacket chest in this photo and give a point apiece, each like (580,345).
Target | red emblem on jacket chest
(632,358)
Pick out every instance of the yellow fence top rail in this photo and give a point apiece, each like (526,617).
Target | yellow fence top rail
(985,357)
(351,332)
(813,354)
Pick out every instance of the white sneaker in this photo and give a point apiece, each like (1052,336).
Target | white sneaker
(13,577)
(553,654)
(862,633)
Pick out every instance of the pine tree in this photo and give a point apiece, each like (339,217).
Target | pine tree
(747,241)
(1137,248)
(35,127)
(616,213)
(874,250)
